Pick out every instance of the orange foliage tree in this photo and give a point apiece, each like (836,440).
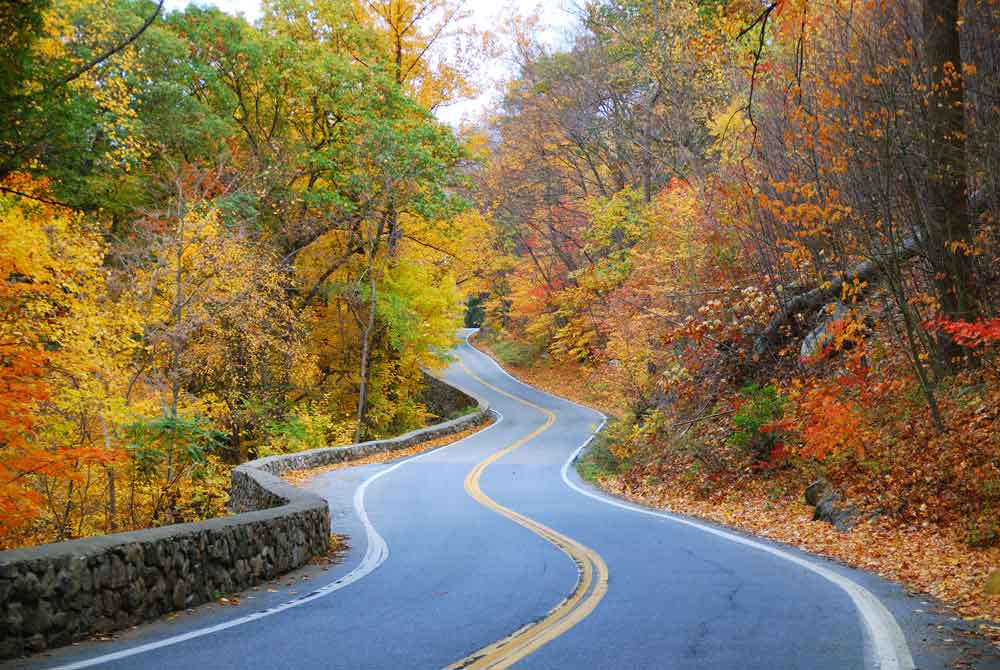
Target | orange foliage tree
(697,201)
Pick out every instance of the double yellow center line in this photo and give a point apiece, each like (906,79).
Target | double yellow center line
(591,584)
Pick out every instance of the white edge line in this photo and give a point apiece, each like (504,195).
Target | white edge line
(889,648)
(376,554)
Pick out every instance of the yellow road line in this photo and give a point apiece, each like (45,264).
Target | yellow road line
(591,585)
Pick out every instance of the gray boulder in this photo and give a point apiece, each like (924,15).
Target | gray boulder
(816,491)
(831,506)
(834,510)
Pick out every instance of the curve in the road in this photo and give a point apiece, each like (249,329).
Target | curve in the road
(590,587)
(889,649)
(376,553)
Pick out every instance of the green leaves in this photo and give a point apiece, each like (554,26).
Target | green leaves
(171,440)
(420,313)
(753,422)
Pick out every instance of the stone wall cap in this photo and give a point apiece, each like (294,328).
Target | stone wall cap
(273,464)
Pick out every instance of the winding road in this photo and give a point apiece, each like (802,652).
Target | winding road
(492,553)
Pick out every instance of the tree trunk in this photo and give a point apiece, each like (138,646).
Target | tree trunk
(111,513)
(359,431)
(647,129)
(949,234)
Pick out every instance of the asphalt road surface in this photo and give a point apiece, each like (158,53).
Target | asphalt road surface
(492,553)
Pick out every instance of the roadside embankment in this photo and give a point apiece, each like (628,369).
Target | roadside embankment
(925,558)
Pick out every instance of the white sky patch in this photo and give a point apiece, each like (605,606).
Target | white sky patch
(248,8)
(491,15)
(555,16)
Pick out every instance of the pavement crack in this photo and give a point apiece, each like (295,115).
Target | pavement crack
(694,647)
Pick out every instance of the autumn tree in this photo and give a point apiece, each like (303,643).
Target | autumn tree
(66,105)
(432,55)
(62,354)
(261,234)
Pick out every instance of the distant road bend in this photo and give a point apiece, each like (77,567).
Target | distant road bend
(492,553)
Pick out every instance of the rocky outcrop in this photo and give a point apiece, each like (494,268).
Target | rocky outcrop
(53,594)
(805,304)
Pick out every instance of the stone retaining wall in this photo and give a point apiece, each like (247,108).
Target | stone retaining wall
(53,594)
(442,399)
